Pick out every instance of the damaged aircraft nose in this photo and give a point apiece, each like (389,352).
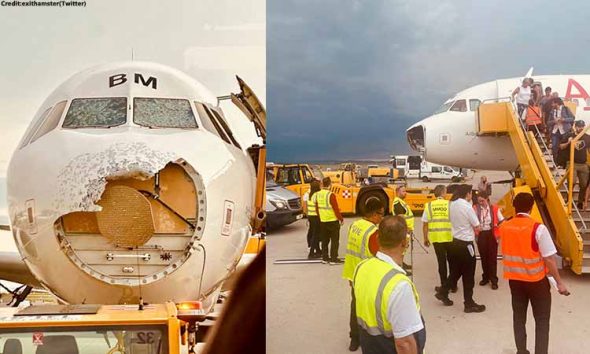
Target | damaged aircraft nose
(141,213)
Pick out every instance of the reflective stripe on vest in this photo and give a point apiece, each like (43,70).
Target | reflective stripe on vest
(311,205)
(521,261)
(439,222)
(374,281)
(409,216)
(325,208)
(357,247)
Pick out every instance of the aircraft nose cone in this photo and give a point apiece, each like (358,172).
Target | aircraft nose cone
(415,135)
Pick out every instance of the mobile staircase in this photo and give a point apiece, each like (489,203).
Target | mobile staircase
(552,187)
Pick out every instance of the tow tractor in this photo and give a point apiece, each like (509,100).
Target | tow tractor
(351,197)
(106,329)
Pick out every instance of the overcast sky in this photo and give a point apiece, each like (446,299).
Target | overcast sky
(212,40)
(346,78)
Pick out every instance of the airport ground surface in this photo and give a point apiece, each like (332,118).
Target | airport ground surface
(308,304)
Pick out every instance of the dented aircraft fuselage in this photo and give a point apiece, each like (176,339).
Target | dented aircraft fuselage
(128,184)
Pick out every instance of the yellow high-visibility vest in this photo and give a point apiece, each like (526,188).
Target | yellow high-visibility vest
(311,205)
(439,222)
(357,247)
(409,216)
(374,281)
(327,214)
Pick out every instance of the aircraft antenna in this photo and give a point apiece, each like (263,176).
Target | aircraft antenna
(132,54)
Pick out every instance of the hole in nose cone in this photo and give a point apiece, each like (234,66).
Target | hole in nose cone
(416,137)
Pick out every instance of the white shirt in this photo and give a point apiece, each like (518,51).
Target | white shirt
(463,220)
(556,113)
(401,309)
(524,95)
(544,240)
(486,223)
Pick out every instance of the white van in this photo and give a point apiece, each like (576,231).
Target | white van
(430,171)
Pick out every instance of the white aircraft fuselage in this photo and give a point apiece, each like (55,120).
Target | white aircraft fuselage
(449,136)
(124,187)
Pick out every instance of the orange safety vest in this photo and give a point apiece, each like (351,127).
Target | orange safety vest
(521,257)
(533,115)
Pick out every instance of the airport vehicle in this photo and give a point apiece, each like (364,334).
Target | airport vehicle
(351,197)
(283,206)
(89,329)
(129,186)
(432,171)
(385,174)
(478,128)
(347,174)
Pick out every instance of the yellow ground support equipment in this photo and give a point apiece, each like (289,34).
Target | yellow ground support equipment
(351,197)
(552,187)
(93,328)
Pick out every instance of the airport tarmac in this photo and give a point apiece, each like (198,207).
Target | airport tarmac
(308,304)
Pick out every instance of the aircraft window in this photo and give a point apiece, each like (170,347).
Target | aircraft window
(445,107)
(207,121)
(218,131)
(163,113)
(34,128)
(96,112)
(436,169)
(219,115)
(459,106)
(474,104)
(51,121)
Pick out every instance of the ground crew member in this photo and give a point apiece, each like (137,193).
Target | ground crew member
(313,233)
(529,255)
(464,225)
(490,217)
(399,207)
(360,235)
(387,303)
(330,221)
(436,228)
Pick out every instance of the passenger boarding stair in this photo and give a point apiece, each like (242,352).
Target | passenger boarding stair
(550,185)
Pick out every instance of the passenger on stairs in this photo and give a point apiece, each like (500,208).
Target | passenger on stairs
(580,150)
(560,123)
(523,95)
(536,93)
(532,118)
(545,104)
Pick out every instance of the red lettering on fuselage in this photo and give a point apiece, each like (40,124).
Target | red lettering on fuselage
(569,95)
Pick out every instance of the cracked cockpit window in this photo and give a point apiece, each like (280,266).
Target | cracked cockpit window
(96,112)
(163,113)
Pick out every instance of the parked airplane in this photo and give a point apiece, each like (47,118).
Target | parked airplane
(129,184)
(449,136)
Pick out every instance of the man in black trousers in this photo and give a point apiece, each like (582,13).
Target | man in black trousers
(529,258)
(465,225)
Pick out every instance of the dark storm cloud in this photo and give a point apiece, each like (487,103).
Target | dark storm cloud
(346,78)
